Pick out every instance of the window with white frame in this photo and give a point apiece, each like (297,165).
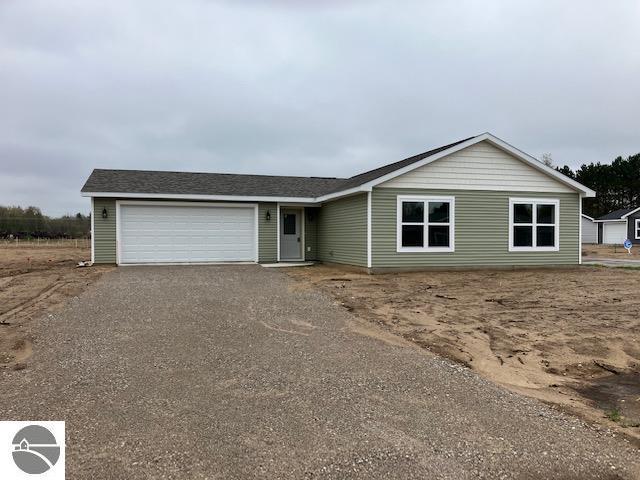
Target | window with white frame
(534,224)
(425,224)
(637,228)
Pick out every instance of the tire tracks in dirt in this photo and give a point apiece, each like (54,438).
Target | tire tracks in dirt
(42,295)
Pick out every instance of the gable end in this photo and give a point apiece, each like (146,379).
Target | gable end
(481,166)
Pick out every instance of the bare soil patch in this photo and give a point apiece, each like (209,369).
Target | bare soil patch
(567,337)
(34,281)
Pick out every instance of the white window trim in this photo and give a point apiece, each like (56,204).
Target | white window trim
(637,228)
(534,223)
(424,198)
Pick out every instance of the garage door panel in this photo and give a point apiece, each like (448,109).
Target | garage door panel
(177,234)
(614,233)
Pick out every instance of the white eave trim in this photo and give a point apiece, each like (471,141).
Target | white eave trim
(343,193)
(611,220)
(222,198)
(307,201)
(630,213)
(587,217)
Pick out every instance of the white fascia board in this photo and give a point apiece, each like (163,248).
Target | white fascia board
(587,217)
(630,213)
(611,220)
(528,159)
(175,196)
(343,193)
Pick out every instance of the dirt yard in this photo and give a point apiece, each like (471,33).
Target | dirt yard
(610,251)
(34,281)
(567,337)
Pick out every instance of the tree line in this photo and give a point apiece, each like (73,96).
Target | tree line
(30,222)
(616,185)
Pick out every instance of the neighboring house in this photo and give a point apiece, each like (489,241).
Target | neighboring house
(616,227)
(589,229)
(477,202)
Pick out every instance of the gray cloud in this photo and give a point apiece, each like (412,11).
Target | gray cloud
(302,88)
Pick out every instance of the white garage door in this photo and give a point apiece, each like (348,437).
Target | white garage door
(186,234)
(614,232)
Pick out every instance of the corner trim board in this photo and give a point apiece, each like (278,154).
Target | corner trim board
(368,229)
(93,231)
(580,230)
(278,231)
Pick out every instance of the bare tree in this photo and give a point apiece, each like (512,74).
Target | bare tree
(547,159)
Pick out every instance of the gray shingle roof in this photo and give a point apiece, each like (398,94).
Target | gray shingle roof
(616,215)
(187,183)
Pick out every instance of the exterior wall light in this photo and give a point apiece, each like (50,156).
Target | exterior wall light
(105,214)
(268,215)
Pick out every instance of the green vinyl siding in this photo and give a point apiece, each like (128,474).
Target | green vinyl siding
(104,230)
(267,233)
(311,233)
(481,231)
(342,231)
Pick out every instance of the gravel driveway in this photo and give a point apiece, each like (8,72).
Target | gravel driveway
(235,372)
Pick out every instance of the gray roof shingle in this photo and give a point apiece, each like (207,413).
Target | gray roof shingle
(188,183)
(616,215)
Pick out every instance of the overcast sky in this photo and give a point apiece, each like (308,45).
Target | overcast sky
(326,88)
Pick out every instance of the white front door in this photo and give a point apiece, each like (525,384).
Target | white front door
(290,234)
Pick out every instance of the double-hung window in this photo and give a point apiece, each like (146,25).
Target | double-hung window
(637,228)
(534,225)
(425,224)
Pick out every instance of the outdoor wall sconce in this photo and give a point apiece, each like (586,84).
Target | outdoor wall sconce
(268,216)
(105,214)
